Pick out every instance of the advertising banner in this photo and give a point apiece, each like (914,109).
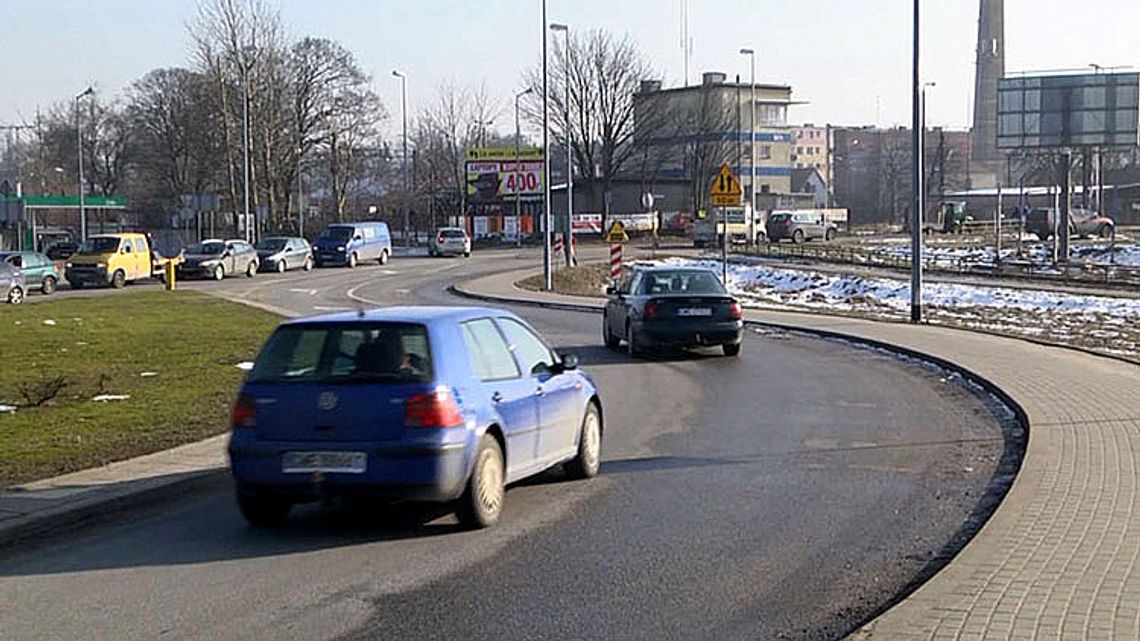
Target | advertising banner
(494,177)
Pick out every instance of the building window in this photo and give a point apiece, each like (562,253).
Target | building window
(765,189)
(765,152)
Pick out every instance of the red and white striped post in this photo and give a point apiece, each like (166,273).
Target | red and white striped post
(615,261)
(557,248)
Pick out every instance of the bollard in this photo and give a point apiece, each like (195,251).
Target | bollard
(168,266)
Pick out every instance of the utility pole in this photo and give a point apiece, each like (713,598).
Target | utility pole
(79,148)
(518,170)
(547,273)
(751,145)
(404,114)
(249,51)
(568,236)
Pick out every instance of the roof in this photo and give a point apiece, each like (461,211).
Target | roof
(800,176)
(411,314)
(669,268)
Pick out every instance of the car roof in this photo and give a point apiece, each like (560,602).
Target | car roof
(426,315)
(671,268)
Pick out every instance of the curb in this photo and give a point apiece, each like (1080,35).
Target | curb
(104,504)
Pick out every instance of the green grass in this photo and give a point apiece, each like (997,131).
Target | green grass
(589,279)
(103,345)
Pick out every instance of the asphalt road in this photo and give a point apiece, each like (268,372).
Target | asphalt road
(788,493)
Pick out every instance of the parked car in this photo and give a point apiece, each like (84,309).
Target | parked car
(62,250)
(799,227)
(671,307)
(39,271)
(1082,222)
(111,259)
(11,284)
(219,258)
(417,403)
(280,254)
(451,241)
(349,244)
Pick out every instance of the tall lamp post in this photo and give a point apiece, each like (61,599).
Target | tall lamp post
(518,173)
(547,273)
(249,57)
(404,116)
(752,143)
(568,236)
(916,175)
(79,148)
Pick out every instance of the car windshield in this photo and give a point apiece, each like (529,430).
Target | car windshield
(272,244)
(338,234)
(100,245)
(345,353)
(210,248)
(681,282)
(452,233)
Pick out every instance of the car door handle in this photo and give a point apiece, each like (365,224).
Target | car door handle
(496,398)
(538,391)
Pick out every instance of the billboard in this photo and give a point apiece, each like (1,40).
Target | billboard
(493,177)
(1084,110)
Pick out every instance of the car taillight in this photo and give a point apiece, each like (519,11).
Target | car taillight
(432,409)
(245,413)
(650,310)
(736,311)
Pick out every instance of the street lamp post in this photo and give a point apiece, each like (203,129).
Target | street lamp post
(404,116)
(752,144)
(917,177)
(518,173)
(568,236)
(79,148)
(249,53)
(547,275)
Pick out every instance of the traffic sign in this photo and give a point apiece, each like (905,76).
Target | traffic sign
(725,189)
(617,234)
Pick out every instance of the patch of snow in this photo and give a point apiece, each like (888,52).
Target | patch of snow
(148,374)
(103,398)
(245,366)
(9,409)
(49,322)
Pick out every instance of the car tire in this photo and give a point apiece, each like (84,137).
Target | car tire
(308,265)
(383,257)
(830,235)
(611,341)
(589,458)
(281,266)
(432,252)
(250,270)
(352,260)
(15,295)
(731,349)
(118,279)
(467,254)
(482,500)
(1105,231)
(219,273)
(798,236)
(263,512)
(631,346)
(48,286)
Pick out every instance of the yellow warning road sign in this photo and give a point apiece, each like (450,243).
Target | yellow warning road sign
(725,189)
(617,234)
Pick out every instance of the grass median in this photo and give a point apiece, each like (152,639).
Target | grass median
(88,381)
(589,279)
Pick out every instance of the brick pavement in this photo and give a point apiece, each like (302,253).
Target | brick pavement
(1058,558)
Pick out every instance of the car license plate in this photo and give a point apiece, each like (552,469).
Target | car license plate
(694,311)
(342,462)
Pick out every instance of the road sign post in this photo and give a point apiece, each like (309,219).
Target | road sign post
(724,191)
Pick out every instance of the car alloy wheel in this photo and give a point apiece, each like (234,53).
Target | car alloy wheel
(383,256)
(632,348)
(352,260)
(250,270)
(48,286)
(611,341)
(798,236)
(118,279)
(308,264)
(15,295)
(281,266)
(219,272)
(482,501)
(586,464)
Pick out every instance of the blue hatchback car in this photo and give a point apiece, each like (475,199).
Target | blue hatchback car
(418,403)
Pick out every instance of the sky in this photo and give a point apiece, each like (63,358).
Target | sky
(849,60)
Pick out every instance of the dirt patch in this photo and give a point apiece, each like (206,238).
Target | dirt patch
(585,280)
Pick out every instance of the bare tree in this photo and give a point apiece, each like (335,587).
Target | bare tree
(604,74)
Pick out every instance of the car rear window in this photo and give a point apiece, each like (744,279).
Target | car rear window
(345,353)
(681,282)
(452,233)
(779,218)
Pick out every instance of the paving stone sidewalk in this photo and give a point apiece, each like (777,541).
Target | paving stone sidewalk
(1058,559)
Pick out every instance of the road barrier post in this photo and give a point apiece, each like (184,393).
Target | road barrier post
(168,267)
(615,261)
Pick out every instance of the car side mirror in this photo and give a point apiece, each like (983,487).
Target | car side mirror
(612,290)
(357,237)
(569,362)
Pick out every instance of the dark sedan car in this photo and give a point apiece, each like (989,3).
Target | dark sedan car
(219,258)
(672,307)
(282,253)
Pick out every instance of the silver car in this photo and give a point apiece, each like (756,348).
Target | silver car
(450,241)
(12,284)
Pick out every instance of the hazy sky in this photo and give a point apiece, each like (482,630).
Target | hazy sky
(849,59)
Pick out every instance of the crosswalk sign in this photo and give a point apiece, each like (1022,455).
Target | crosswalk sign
(725,189)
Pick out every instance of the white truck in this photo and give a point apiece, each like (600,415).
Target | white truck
(742,223)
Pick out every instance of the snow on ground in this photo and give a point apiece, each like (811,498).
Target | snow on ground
(1100,322)
(104,398)
(245,366)
(10,409)
(1036,252)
